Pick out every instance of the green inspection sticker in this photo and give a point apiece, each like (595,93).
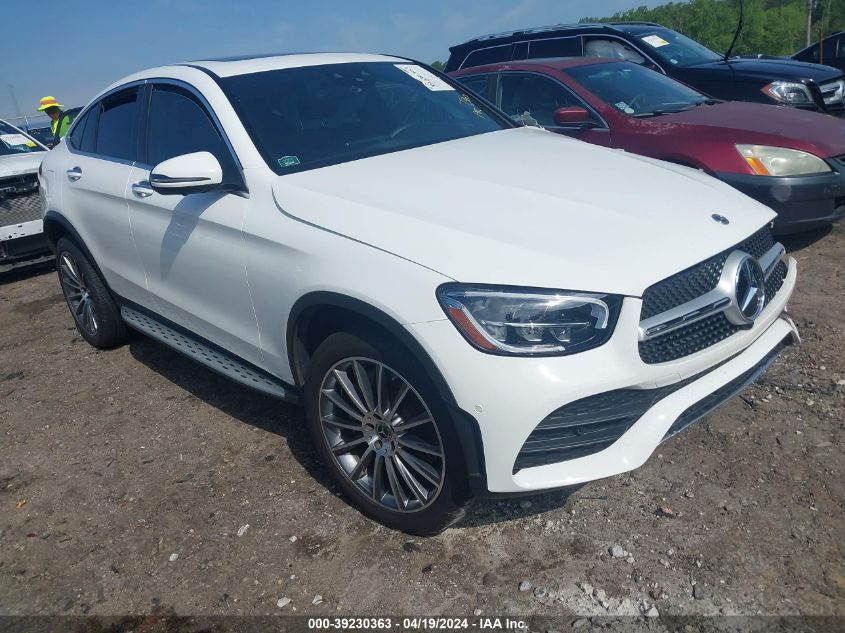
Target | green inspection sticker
(289,161)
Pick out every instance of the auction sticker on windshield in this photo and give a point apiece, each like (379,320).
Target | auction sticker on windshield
(655,40)
(13,140)
(427,79)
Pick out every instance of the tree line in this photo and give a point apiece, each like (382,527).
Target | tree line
(773,27)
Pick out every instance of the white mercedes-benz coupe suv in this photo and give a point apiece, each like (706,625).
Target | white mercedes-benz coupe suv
(463,306)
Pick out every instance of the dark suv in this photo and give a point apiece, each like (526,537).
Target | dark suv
(831,52)
(775,81)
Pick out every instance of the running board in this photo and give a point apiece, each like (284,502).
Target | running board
(205,354)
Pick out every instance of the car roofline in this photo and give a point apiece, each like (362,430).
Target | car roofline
(553,63)
(555,27)
(247,64)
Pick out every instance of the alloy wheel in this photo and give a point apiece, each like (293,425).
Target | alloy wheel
(77,294)
(381,434)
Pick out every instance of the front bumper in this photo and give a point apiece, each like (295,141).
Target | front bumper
(23,244)
(801,202)
(510,396)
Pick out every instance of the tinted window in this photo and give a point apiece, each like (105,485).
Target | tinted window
(302,118)
(560,47)
(536,95)
(179,125)
(477,84)
(612,49)
(492,55)
(84,134)
(520,50)
(830,49)
(808,54)
(117,128)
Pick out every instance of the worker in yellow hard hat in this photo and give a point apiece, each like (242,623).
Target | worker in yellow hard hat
(60,123)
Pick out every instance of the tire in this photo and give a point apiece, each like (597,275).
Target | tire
(95,313)
(402,482)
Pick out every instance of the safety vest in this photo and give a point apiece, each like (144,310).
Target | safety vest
(59,126)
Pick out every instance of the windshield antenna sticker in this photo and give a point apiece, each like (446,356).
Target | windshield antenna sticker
(289,161)
(427,79)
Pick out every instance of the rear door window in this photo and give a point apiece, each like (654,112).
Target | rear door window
(557,47)
(84,134)
(117,126)
(491,55)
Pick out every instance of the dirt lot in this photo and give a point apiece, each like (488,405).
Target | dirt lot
(134,481)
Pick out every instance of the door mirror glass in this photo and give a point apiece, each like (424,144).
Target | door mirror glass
(572,115)
(188,173)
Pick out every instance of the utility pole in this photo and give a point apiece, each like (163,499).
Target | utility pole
(809,21)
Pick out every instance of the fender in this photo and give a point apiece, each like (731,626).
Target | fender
(52,218)
(465,424)
(56,222)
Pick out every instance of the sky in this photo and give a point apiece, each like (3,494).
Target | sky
(72,50)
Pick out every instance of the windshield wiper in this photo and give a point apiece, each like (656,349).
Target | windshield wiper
(662,111)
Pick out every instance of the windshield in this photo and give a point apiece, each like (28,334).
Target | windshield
(313,116)
(13,141)
(634,90)
(676,48)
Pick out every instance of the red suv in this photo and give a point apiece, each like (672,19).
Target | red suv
(790,160)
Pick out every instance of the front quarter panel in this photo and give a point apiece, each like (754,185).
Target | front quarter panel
(287,258)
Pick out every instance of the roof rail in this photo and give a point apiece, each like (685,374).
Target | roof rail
(639,22)
(536,29)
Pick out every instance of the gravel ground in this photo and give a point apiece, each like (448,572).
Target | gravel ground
(134,481)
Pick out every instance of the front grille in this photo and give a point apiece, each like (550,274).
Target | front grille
(833,93)
(690,284)
(701,334)
(19,200)
(699,279)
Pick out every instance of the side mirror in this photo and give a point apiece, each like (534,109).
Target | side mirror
(573,115)
(188,173)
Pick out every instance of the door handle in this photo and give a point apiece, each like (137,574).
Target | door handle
(74,174)
(142,189)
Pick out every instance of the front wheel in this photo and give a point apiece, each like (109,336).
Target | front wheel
(385,434)
(95,313)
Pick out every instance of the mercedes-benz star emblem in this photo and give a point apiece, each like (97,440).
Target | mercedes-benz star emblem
(748,281)
(720,219)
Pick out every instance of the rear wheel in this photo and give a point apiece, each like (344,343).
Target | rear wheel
(385,434)
(96,315)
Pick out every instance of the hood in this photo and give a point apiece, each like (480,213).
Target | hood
(742,122)
(768,70)
(18,164)
(527,207)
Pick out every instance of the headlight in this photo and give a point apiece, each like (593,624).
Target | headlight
(529,321)
(779,161)
(788,92)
